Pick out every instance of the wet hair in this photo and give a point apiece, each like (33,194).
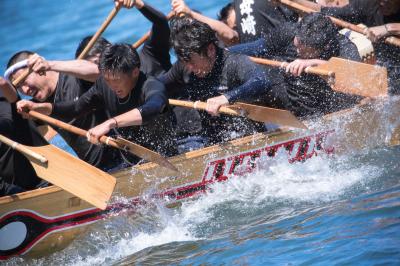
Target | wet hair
(97,48)
(119,58)
(17,57)
(224,12)
(189,36)
(317,31)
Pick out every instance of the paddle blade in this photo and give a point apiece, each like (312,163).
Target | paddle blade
(73,175)
(269,115)
(145,153)
(357,78)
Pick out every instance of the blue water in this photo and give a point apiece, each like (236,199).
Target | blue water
(343,210)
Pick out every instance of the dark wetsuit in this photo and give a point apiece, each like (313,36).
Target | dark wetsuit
(16,172)
(307,94)
(233,76)
(255,18)
(148,96)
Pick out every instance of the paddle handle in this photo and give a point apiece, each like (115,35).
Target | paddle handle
(22,77)
(102,28)
(23,149)
(202,106)
(309,70)
(81,132)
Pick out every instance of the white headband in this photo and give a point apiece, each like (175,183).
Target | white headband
(13,68)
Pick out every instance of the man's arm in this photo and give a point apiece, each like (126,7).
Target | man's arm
(226,34)
(10,94)
(79,68)
(377,33)
(155,103)
(250,76)
(63,110)
(253,83)
(158,42)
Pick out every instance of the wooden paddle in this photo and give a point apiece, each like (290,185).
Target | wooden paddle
(119,143)
(341,23)
(89,46)
(253,112)
(102,28)
(68,172)
(346,76)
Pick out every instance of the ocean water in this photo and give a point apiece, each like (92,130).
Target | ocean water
(329,210)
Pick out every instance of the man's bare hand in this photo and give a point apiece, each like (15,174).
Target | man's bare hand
(180,7)
(213,104)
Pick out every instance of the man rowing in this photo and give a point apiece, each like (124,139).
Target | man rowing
(16,172)
(47,84)
(135,104)
(68,80)
(206,72)
(306,45)
(379,15)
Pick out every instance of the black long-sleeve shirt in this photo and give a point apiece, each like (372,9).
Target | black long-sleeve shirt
(154,56)
(234,76)
(148,96)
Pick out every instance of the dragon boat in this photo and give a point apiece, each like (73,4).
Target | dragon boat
(43,221)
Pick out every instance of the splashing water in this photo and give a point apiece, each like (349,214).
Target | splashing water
(276,192)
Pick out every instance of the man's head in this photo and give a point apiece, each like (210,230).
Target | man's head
(316,37)
(195,45)
(228,16)
(119,65)
(40,87)
(94,53)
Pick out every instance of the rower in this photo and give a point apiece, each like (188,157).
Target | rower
(46,84)
(16,172)
(154,54)
(134,104)
(206,72)
(372,13)
(308,94)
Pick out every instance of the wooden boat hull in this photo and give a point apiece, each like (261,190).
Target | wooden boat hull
(43,221)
